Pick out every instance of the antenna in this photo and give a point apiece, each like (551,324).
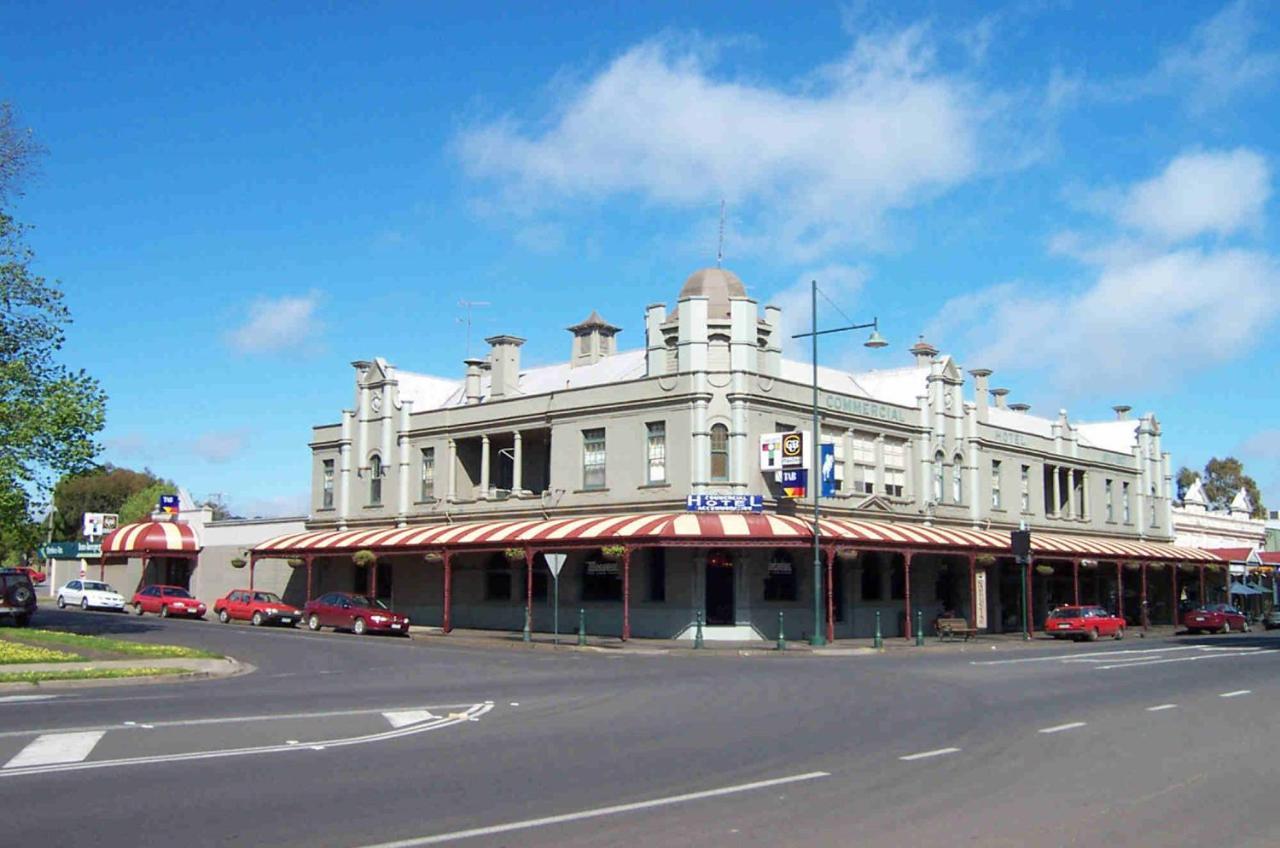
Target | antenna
(467,304)
(720,246)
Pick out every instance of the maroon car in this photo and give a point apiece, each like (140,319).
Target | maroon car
(165,601)
(360,615)
(1219,618)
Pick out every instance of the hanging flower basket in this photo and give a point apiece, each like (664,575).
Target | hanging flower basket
(847,554)
(238,562)
(1156,566)
(1133,566)
(296,562)
(1044,569)
(514,554)
(364,558)
(612,552)
(433,556)
(1186,566)
(1088,563)
(985,560)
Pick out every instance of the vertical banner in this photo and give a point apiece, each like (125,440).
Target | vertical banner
(827,462)
(980,599)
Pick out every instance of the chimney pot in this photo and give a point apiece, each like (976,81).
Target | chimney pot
(473,379)
(1000,395)
(1122,411)
(504,365)
(1020,407)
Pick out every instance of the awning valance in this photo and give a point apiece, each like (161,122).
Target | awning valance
(151,538)
(687,528)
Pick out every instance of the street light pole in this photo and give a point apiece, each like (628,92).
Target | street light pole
(815,471)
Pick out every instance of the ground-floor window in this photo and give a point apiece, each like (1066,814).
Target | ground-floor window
(657,574)
(898,582)
(601,581)
(780,580)
(871,580)
(497,579)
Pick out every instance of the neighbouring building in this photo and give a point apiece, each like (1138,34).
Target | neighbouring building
(463,484)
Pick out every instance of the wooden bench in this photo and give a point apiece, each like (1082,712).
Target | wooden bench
(949,628)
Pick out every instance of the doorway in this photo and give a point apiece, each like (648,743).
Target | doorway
(720,608)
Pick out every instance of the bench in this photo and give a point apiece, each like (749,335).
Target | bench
(949,628)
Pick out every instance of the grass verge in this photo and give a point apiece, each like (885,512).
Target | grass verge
(83,674)
(12,653)
(101,643)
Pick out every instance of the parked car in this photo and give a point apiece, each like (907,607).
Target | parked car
(90,594)
(346,611)
(256,607)
(1271,620)
(17,596)
(1219,618)
(37,576)
(1083,623)
(166,601)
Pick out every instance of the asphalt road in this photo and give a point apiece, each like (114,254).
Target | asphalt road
(343,741)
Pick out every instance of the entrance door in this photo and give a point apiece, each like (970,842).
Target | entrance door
(720,594)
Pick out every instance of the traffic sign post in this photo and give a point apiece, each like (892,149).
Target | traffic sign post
(555,562)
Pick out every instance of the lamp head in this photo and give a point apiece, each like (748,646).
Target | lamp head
(875,340)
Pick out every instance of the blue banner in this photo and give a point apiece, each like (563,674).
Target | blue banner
(827,456)
(724,503)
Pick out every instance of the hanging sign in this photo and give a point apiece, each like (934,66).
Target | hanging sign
(827,455)
(793,450)
(795,482)
(169,504)
(724,503)
(980,600)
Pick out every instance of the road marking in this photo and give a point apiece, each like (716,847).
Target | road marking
(1244,653)
(403,718)
(599,811)
(56,748)
(472,714)
(1082,656)
(1236,693)
(14,699)
(926,754)
(1159,707)
(1058,728)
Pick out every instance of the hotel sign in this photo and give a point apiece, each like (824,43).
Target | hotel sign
(724,503)
(866,408)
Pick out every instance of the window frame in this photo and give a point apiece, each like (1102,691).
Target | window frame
(427,473)
(719,451)
(655,452)
(591,468)
(327,470)
(377,471)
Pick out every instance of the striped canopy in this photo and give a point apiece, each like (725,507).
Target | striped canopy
(151,538)
(687,528)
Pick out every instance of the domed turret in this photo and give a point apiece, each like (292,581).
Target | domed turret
(717,285)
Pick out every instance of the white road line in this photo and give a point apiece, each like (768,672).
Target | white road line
(1178,659)
(1058,728)
(598,812)
(404,718)
(1161,707)
(926,754)
(1236,693)
(56,748)
(1080,656)
(14,699)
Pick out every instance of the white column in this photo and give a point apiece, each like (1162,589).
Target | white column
(1084,494)
(517,484)
(1071,493)
(344,468)
(484,466)
(402,508)
(1053,504)
(453,471)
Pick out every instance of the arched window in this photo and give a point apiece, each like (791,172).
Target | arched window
(719,452)
(957,480)
(375,480)
(938,461)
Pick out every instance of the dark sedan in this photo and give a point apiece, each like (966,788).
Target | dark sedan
(360,615)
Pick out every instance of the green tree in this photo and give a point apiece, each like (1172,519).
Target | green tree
(1224,478)
(49,414)
(103,489)
(1186,477)
(140,505)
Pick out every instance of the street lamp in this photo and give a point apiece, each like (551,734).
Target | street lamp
(874,341)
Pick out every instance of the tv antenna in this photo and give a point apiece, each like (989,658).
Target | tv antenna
(720,245)
(467,305)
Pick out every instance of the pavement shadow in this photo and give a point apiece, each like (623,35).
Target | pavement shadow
(92,624)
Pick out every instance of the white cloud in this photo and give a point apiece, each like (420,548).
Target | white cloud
(837,284)
(814,164)
(219,447)
(1218,193)
(274,324)
(1219,61)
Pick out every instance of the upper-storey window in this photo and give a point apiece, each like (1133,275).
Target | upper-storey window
(895,467)
(656,451)
(719,453)
(428,473)
(1025,492)
(957,480)
(326,490)
(1124,503)
(375,480)
(864,464)
(939,478)
(1155,513)
(593,458)
(996,501)
(1109,495)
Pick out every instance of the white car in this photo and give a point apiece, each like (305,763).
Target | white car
(90,593)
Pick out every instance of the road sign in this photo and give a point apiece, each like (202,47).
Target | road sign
(555,562)
(724,503)
(71,550)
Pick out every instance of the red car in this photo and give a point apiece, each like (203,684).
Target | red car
(256,607)
(345,611)
(37,577)
(166,601)
(1087,623)
(1220,618)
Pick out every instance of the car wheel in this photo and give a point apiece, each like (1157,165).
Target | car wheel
(62,602)
(164,611)
(84,603)
(1093,635)
(137,609)
(359,628)
(256,621)
(1226,627)
(1246,628)
(223,617)
(1119,632)
(313,622)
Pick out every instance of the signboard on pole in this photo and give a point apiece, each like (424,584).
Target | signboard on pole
(980,600)
(724,503)
(555,562)
(795,482)
(169,504)
(827,455)
(71,550)
(99,524)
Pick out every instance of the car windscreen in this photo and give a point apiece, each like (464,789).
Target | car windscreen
(177,593)
(94,586)
(362,601)
(267,598)
(1065,613)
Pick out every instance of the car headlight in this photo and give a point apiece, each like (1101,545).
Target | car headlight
(378,618)
(271,610)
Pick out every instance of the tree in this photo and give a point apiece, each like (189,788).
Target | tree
(49,414)
(1222,479)
(103,489)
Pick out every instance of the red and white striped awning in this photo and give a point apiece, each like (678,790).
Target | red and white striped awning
(153,538)
(689,528)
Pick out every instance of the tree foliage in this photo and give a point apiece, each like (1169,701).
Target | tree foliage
(49,414)
(1222,479)
(103,489)
(140,505)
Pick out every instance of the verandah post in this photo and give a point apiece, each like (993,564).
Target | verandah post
(1173,593)
(906,592)
(1075,581)
(831,612)
(1146,616)
(626,592)
(253,560)
(308,559)
(973,590)
(528,594)
(1119,589)
(447,622)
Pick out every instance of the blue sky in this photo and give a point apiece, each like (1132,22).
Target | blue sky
(240,199)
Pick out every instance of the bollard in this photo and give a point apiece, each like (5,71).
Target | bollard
(528,626)
(878,641)
(697,633)
(782,639)
(919,629)
(582,627)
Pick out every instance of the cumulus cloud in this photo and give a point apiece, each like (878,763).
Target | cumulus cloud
(1219,61)
(819,162)
(1213,192)
(276,324)
(220,447)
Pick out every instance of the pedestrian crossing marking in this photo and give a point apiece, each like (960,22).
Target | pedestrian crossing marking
(56,748)
(404,718)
